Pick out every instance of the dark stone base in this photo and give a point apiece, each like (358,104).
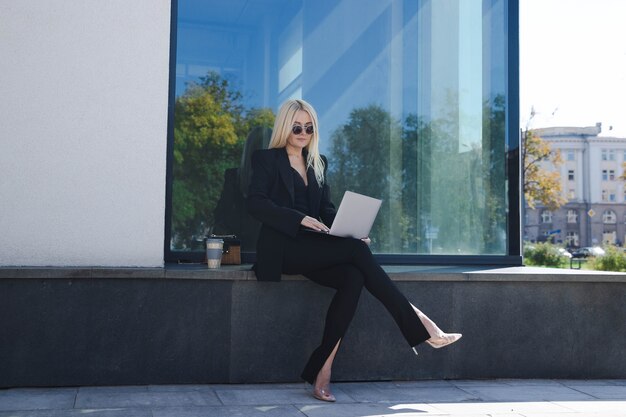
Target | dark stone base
(125,331)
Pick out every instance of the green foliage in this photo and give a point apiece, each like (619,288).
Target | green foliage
(540,184)
(547,254)
(613,260)
(428,180)
(427,175)
(210,127)
(493,165)
(361,162)
(543,254)
(467,193)
(414,193)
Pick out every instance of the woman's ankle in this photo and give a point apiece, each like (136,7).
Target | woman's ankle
(323,378)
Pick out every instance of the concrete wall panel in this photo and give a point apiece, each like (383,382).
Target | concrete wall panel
(119,331)
(84,131)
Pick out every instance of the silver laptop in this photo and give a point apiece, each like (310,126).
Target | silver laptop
(355,216)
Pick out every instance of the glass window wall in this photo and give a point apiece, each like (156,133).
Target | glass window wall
(411,97)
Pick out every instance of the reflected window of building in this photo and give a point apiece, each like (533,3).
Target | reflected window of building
(609,217)
(611,175)
(411,100)
(570,175)
(605,195)
(570,155)
(608,154)
(571,194)
(605,175)
(546,216)
(572,216)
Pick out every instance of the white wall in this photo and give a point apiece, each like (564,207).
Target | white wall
(83,131)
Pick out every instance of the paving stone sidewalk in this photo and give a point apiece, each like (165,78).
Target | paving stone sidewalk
(530,398)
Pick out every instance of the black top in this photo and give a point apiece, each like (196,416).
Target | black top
(270,201)
(301,194)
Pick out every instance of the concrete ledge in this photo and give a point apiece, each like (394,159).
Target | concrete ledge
(396,272)
(189,325)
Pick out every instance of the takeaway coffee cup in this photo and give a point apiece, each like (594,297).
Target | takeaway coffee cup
(214,252)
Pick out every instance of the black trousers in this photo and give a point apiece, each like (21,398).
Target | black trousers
(346,265)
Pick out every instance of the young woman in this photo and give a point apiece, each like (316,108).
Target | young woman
(289,195)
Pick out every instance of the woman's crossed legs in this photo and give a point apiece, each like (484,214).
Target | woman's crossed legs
(347,265)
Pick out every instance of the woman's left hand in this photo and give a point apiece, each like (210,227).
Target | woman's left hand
(366,240)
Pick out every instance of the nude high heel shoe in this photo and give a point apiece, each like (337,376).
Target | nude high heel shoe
(438,338)
(323,395)
(444,340)
(441,339)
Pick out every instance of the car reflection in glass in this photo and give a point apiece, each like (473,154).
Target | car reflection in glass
(588,251)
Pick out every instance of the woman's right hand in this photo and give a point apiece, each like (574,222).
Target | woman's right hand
(314,224)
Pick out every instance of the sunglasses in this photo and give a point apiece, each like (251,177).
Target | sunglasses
(297,129)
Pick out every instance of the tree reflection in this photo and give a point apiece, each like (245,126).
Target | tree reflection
(442,193)
(361,160)
(210,128)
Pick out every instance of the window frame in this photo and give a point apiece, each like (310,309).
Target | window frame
(572,214)
(608,154)
(572,235)
(609,217)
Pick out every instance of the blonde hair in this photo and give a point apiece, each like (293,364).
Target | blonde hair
(282,130)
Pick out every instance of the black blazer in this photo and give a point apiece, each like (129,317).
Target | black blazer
(271,201)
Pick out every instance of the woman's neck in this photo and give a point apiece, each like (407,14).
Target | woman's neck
(293,152)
